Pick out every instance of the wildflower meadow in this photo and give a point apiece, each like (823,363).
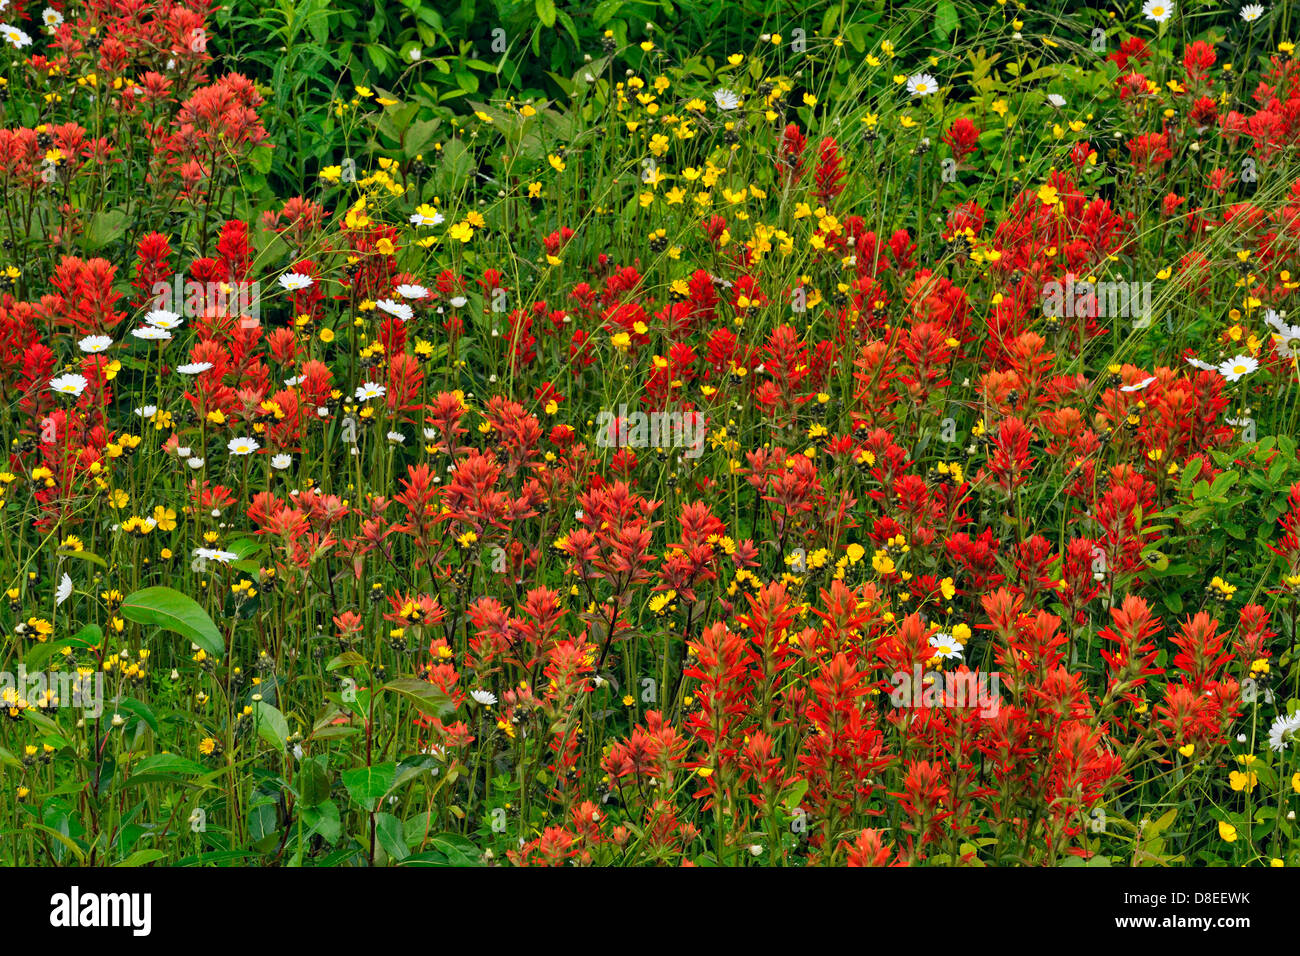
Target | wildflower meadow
(633,433)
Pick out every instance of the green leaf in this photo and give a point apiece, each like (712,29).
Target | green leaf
(173,611)
(545,12)
(428,699)
(946,20)
(105,226)
(323,819)
(458,850)
(138,710)
(84,556)
(260,159)
(62,838)
(142,857)
(367,785)
(1156,560)
(313,782)
(346,659)
(420,137)
(37,657)
(167,765)
(245,547)
(388,831)
(605,11)
(271,725)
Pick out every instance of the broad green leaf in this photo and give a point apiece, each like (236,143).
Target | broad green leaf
(324,820)
(271,725)
(170,765)
(84,556)
(142,857)
(313,782)
(388,830)
(346,659)
(946,20)
(368,785)
(105,226)
(173,611)
(37,657)
(428,699)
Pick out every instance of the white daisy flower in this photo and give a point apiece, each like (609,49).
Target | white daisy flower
(16,37)
(164,319)
(1251,12)
(70,384)
(52,18)
(1288,342)
(945,646)
(1287,337)
(1138,386)
(194,368)
(293,281)
(457,301)
(195,463)
(242,446)
(64,591)
(1056,99)
(1203,366)
(399,309)
(922,84)
(1283,731)
(1158,11)
(484,697)
(151,333)
(412,291)
(1238,367)
(281,462)
(370,390)
(726,99)
(396,437)
(212,554)
(425,219)
(94,344)
(147,411)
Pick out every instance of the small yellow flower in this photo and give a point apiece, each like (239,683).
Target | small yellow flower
(1242,781)
(165,518)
